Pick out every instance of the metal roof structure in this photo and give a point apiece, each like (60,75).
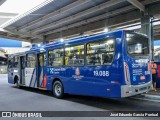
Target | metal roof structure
(2,1)
(61,18)
(5,16)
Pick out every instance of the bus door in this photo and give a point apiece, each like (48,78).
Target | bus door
(22,70)
(30,70)
(41,82)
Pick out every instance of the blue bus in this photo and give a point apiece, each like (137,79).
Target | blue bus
(115,64)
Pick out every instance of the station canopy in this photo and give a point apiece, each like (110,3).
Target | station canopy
(55,19)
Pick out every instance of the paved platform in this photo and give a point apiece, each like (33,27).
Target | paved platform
(152,92)
(28,99)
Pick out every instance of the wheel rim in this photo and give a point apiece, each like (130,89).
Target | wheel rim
(58,89)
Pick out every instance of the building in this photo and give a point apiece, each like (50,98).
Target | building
(3,61)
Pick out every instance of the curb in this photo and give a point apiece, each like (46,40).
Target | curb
(146,97)
(156,97)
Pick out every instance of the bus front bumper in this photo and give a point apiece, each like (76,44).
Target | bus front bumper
(130,90)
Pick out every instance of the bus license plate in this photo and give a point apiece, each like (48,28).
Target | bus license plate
(142,77)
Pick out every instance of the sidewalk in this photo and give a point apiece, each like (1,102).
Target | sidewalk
(149,96)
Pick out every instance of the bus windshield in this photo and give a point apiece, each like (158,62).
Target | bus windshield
(137,45)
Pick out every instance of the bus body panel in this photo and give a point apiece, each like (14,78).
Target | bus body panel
(30,76)
(51,75)
(86,85)
(12,73)
(40,76)
(139,73)
(10,76)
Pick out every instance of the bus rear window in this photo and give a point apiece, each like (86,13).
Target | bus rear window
(137,45)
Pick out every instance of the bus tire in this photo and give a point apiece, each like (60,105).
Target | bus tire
(58,89)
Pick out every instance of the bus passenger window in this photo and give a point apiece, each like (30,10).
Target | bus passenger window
(74,55)
(40,60)
(100,52)
(31,60)
(45,59)
(56,57)
(16,60)
(10,63)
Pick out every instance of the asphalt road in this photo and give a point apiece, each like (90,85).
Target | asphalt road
(27,99)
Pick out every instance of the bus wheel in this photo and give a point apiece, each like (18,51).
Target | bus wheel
(58,90)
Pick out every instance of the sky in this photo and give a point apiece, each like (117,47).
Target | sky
(10,43)
(19,6)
